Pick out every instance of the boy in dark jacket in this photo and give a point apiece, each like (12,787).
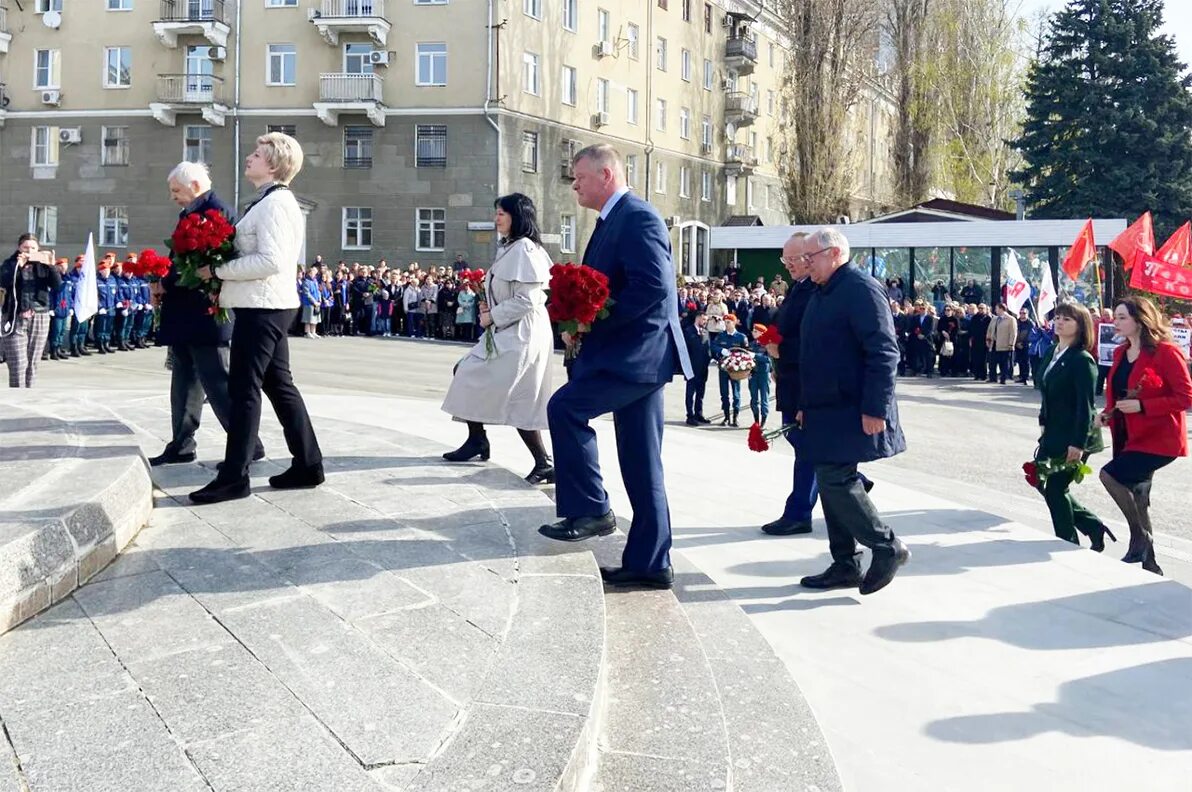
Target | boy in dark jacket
(759,380)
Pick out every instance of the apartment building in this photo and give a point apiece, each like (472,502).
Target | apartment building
(413,114)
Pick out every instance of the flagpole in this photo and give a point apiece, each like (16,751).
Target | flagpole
(1097,280)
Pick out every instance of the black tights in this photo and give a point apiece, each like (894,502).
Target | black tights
(531,437)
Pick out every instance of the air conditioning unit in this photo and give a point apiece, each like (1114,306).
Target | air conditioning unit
(673,221)
(604,49)
(726,84)
(378,58)
(70,135)
(217,53)
(727,21)
(600,119)
(51,98)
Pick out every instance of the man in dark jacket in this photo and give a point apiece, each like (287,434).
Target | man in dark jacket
(198,343)
(979,348)
(696,339)
(848,363)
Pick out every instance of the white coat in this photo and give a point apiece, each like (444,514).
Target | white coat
(268,243)
(511,386)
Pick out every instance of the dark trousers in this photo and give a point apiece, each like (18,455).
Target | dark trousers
(696,387)
(1023,359)
(977,361)
(1102,375)
(804,490)
(58,326)
(850,515)
(759,396)
(414,325)
(78,332)
(729,386)
(637,410)
(260,361)
(198,372)
(103,327)
(1001,367)
(1067,516)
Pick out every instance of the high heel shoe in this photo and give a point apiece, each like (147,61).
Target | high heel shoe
(1097,537)
(543,473)
(472,448)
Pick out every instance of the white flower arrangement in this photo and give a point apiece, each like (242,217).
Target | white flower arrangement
(738,363)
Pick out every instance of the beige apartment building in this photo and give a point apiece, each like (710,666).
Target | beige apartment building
(414,116)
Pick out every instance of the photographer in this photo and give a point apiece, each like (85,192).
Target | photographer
(28,279)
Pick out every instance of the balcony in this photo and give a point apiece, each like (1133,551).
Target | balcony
(206,18)
(739,159)
(5,33)
(740,54)
(189,93)
(335,17)
(350,93)
(740,108)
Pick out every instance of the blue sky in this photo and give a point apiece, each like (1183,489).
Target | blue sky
(1177,16)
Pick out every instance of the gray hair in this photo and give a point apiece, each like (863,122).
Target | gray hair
(828,237)
(187,173)
(602,155)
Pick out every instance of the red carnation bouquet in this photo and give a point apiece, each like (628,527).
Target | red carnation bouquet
(759,439)
(1037,471)
(474,277)
(770,336)
(203,240)
(578,297)
(150,266)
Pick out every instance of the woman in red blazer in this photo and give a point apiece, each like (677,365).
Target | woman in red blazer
(1149,391)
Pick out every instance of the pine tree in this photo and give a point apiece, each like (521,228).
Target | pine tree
(1109,117)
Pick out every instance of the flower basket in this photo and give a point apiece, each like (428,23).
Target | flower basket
(739,375)
(738,364)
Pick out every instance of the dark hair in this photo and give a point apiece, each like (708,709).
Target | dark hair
(1084,321)
(26,237)
(1153,326)
(525,217)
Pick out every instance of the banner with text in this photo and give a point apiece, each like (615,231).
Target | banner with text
(1158,277)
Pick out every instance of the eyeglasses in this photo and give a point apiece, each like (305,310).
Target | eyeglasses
(803,259)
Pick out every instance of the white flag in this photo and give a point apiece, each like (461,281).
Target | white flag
(86,296)
(1018,291)
(1046,302)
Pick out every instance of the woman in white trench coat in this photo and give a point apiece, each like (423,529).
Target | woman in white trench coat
(506,377)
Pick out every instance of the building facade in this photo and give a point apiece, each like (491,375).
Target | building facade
(414,115)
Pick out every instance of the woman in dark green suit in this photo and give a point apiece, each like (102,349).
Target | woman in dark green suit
(1070,433)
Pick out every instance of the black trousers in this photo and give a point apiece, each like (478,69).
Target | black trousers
(694,395)
(850,515)
(977,361)
(260,362)
(198,372)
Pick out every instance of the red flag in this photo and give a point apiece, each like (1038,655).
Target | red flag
(1156,276)
(1140,236)
(1083,251)
(1178,247)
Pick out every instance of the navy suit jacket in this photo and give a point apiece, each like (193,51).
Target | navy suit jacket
(184,317)
(640,340)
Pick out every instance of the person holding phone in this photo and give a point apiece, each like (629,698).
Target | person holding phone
(28,281)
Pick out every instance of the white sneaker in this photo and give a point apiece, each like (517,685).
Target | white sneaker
(309,335)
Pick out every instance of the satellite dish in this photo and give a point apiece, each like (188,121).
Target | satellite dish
(52,19)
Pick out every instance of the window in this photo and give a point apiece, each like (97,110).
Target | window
(707,17)
(685,65)
(633,36)
(432,64)
(771,55)
(567,233)
(684,123)
(686,10)
(357,59)
(631,170)
(357,228)
(730,190)
(47,65)
(570,15)
(530,152)
(281,3)
(47,5)
(45,146)
(432,229)
(705,186)
(748,193)
(631,105)
(569,85)
(283,64)
(753,142)
(661,120)
(119,5)
(43,222)
(661,49)
(769,103)
(662,4)
(769,150)
(532,8)
(602,25)
(602,95)
(196,143)
(358,145)
(113,226)
(117,72)
(530,73)
(705,132)
(684,182)
(114,149)
(430,148)
(660,179)
(285,129)
(708,73)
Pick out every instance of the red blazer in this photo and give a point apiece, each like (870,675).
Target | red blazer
(1160,428)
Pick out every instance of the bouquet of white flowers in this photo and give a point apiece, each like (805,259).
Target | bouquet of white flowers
(738,363)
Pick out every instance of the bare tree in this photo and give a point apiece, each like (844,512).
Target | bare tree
(906,27)
(832,52)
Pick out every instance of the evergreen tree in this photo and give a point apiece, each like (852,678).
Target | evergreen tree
(1109,117)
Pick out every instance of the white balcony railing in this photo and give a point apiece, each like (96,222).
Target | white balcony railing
(350,88)
(353,9)
(740,154)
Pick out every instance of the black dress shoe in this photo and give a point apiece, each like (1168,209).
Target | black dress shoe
(218,491)
(691,421)
(257,456)
(298,478)
(836,576)
(170,458)
(576,529)
(542,474)
(620,576)
(884,567)
(784,527)
(702,419)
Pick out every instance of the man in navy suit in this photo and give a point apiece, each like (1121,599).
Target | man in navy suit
(622,367)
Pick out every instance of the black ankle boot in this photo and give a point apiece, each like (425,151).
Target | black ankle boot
(736,415)
(475,446)
(543,472)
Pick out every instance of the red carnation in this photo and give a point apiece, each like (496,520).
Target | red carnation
(770,336)
(757,438)
(1031,471)
(1150,380)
